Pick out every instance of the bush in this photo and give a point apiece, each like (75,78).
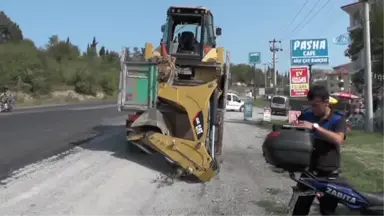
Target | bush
(109,82)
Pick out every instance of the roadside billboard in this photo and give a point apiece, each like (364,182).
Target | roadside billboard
(342,40)
(254,58)
(298,81)
(309,52)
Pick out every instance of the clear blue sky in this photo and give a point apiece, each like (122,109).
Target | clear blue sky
(247,25)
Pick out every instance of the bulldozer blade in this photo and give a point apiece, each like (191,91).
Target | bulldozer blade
(136,137)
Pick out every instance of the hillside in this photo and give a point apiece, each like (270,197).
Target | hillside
(57,71)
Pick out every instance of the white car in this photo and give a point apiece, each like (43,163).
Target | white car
(234,103)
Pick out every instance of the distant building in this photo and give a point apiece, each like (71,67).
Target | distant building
(336,80)
(340,79)
(319,77)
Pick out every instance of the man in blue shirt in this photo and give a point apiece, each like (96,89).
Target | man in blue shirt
(329,128)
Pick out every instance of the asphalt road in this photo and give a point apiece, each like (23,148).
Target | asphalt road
(31,134)
(100,177)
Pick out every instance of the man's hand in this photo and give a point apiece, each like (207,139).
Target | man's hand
(304,124)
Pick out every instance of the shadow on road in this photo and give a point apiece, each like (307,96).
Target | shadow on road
(340,210)
(112,138)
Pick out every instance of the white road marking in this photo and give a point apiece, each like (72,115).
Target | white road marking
(94,107)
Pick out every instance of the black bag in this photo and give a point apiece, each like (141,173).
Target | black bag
(289,148)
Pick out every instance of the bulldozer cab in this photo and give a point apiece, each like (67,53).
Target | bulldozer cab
(188,33)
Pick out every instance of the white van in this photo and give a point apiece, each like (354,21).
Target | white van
(280,104)
(234,103)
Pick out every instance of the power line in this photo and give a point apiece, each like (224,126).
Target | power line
(326,3)
(297,14)
(309,13)
(330,15)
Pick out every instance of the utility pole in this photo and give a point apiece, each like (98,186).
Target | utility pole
(274,49)
(368,69)
(254,81)
(282,81)
(310,75)
(265,74)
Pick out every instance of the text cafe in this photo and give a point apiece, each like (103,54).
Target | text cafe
(309,48)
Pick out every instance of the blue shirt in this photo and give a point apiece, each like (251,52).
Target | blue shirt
(332,123)
(326,156)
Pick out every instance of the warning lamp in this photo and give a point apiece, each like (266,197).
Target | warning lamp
(207,49)
(133,117)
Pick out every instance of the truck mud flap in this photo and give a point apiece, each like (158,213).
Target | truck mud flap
(151,118)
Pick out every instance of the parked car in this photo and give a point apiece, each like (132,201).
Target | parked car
(234,103)
(280,104)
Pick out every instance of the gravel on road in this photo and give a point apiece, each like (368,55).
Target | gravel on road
(101,177)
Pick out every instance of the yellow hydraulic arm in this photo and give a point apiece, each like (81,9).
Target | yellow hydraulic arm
(191,155)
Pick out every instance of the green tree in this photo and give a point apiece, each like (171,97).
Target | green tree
(113,57)
(22,61)
(92,48)
(245,73)
(128,54)
(241,73)
(62,50)
(376,27)
(9,30)
(136,55)
(52,41)
(94,43)
(102,51)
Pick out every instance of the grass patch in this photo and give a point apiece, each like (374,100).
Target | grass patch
(362,160)
(259,102)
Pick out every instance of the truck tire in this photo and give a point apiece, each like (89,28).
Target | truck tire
(241,109)
(286,113)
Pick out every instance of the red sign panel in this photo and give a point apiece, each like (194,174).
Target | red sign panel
(299,81)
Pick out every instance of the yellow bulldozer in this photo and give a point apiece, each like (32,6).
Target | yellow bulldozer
(175,96)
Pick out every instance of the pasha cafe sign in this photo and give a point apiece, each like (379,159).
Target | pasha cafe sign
(299,81)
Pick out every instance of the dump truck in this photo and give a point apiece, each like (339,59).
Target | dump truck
(175,96)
